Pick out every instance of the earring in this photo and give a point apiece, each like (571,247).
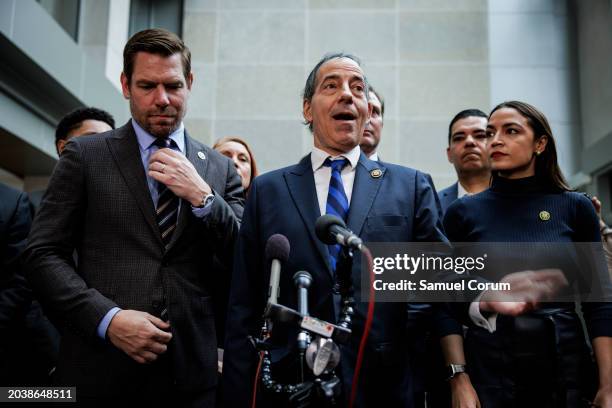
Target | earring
(538,152)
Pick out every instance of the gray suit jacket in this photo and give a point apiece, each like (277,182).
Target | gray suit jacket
(98,204)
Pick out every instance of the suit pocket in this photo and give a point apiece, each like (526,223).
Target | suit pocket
(385,221)
(386,228)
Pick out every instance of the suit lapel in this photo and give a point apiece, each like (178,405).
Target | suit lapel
(365,189)
(126,153)
(201,165)
(301,185)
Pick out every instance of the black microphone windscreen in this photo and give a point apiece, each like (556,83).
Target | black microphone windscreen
(278,247)
(322,228)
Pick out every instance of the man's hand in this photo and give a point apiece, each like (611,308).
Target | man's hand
(527,290)
(178,174)
(139,334)
(463,393)
(603,398)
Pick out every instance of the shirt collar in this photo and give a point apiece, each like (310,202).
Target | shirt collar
(318,156)
(461,191)
(374,156)
(145,140)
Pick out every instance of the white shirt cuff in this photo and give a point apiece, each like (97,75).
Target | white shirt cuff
(479,320)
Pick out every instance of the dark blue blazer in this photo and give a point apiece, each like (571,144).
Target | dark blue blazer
(400,205)
(448,195)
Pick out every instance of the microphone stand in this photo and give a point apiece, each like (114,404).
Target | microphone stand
(323,390)
(344,280)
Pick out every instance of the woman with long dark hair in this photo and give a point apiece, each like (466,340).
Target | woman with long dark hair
(540,358)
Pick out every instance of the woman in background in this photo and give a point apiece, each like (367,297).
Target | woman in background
(541,358)
(239,151)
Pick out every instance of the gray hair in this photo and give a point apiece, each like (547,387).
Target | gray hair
(309,87)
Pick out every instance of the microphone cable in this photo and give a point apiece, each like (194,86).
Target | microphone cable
(257,372)
(366,328)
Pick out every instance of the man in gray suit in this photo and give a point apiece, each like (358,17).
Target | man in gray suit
(145,207)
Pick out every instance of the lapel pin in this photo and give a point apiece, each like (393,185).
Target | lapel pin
(376,173)
(544,215)
(201,155)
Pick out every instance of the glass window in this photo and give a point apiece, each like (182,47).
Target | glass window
(66,13)
(166,14)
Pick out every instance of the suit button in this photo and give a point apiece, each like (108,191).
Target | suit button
(155,304)
(336,289)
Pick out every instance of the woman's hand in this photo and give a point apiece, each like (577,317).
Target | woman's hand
(463,393)
(603,398)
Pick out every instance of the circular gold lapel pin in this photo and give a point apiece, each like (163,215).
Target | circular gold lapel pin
(376,173)
(544,215)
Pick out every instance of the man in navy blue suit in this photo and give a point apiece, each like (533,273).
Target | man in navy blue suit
(467,139)
(387,203)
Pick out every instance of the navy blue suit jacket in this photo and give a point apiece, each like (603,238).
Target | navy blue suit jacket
(448,195)
(399,206)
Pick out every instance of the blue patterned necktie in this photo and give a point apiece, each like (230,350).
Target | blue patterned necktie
(167,203)
(337,202)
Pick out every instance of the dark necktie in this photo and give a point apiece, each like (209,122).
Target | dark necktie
(337,202)
(167,202)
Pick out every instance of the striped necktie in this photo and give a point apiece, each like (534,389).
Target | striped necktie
(167,203)
(337,202)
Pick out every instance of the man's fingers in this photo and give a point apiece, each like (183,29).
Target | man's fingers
(157,348)
(162,336)
(160,177)
(157,166)
(158,322)
(165,155)
(148,356)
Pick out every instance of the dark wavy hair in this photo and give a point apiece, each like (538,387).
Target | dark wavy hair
(546,165)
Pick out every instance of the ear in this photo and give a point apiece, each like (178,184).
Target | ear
(541,143)
(307,111)
(370,109)
(190,81)
(448,156)
(61,144)
(125,86)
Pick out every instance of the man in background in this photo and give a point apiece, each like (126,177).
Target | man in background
(373,129)
(466,151)
(80,122)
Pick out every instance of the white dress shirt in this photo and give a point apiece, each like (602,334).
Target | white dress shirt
(322,174)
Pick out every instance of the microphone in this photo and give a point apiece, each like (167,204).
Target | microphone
(277,250)
(302,281)
(332,230)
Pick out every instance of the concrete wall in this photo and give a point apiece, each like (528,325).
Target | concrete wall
(251,60)
(531,57)
(429,59)
(594,21)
